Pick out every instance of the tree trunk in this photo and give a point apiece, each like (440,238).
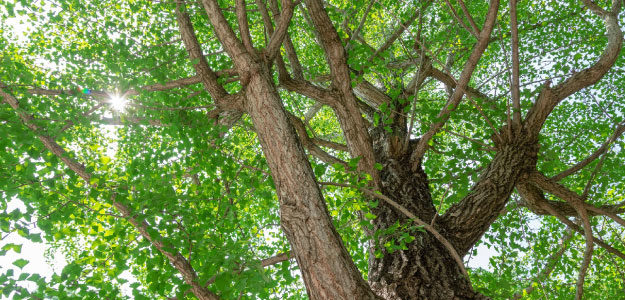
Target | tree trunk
(327,268)
(426,270)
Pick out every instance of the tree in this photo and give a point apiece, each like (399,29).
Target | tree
(367,145)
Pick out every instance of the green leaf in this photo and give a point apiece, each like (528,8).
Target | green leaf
(20,263)
(14,247)
(370,216)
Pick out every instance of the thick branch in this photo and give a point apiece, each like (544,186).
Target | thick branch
(346,108)
(281,30)
(465,222)
(226,35)
(550,97)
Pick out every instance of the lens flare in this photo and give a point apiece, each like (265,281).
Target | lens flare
(118,102)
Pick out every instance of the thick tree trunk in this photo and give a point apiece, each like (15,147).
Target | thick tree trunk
(426,270)
(327,268)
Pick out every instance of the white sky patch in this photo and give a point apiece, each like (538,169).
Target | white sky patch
(35,253)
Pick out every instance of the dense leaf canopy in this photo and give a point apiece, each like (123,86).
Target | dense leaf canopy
(170,188)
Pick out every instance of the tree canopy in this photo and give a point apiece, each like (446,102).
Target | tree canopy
(267,149)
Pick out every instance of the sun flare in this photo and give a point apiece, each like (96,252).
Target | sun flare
(118,103)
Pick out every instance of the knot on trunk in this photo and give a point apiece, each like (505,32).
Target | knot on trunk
(518,139)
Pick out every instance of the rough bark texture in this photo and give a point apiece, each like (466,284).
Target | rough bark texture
(426,269)
(327,268)
(466,221)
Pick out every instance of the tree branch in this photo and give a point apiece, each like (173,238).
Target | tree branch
(361,24)
(312,144)
(468,16)
(516,93)
(346,107)
(204,72)
(174,257)
(244,28)
(473,31)
(550,97)
(465,76)
(281,30)
(550,265)
(592,157)
(226,36)
(575,227)
(407,213)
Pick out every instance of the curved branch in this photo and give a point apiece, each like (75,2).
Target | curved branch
(592,157)
(550,97)
(407,213)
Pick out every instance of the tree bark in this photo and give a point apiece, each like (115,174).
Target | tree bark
(426,270)
(326,266)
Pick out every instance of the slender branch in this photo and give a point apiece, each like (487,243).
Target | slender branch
(604,147)
(407,213)
(579,289)
(575,227)
(396,34)
(459,20)
(592,176)
(551,264)
(175,258)
(465,76)
(516,94)
(312,144)
(468,16)
(275,259)
(361,24)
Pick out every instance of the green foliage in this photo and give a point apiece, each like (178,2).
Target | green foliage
(206,190)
